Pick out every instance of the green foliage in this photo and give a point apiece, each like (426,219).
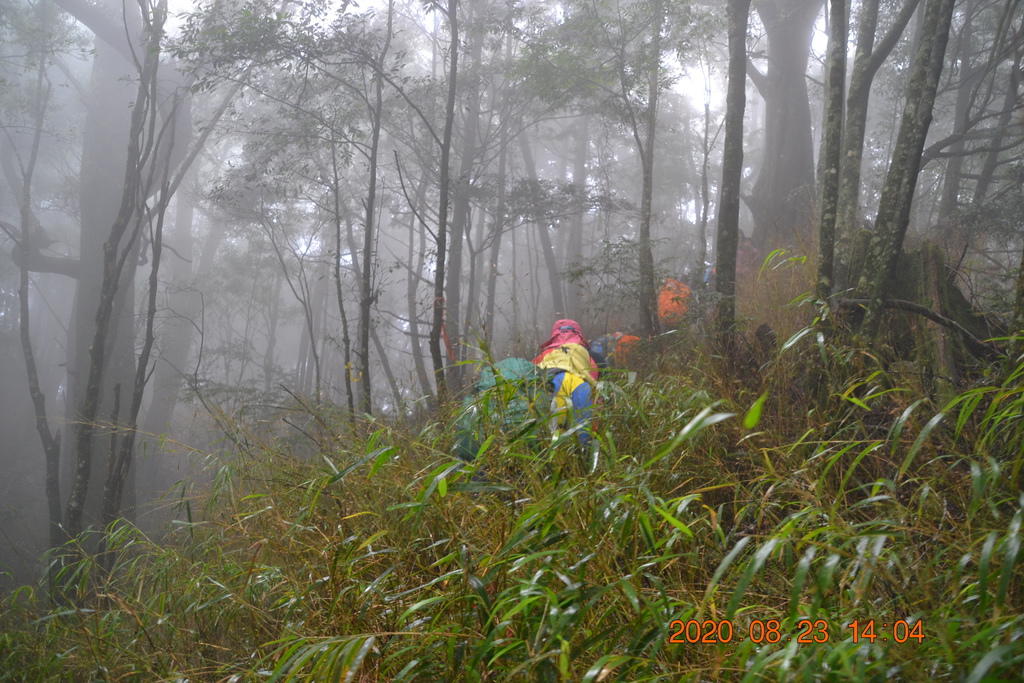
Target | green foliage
(568,62)
(611,281)
(383,558)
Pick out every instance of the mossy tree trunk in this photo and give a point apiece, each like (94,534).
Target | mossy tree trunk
(1017,329)
(937,348)
(832,148)
(898,192)
(866,62)
(930,325)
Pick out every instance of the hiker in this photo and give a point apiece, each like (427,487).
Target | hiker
(672,303)
(624,350)
(568,332)
(505,397)
(709,277)
(612,350)
(572,377)
(602,348)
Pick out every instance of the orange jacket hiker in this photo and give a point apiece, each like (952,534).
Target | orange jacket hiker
(672,302)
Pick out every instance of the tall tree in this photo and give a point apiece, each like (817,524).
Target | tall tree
(782,198)
(462,188)
(833,127)
(901,180)
(376,111)
(1001,130)
(119,253)
(441,241)
(727,240)
(867,60)
(968,75)
(29,234)
(648,305)
(542,222)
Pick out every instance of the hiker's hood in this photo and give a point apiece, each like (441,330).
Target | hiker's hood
(565,332)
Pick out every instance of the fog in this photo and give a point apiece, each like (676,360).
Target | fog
(239,218)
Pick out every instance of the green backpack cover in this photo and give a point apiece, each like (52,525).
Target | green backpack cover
(504,398)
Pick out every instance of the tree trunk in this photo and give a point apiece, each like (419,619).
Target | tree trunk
(176,335)
(1010,100)
(574,246)
(412,287)
(346,340)
(833,131)
(497,232)
(949,199)
(475,248)
(367,295)
(727,240)
(302,362)
(272,321)
(865,66)
(120,461)
(442,219)
(396,394)
(783,196)
(554,282)
(50,440)
(117,266)
(705,198)
(533,279)
(898,192)
(648,306)
(461,196)
(930,323)
(1017,326)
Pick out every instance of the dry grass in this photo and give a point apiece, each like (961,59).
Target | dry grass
(383,558)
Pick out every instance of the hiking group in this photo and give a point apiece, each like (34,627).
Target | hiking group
(515,395)
(559,386)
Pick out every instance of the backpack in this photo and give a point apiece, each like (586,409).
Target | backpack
(572,358)
(506,395)
(605,344)
(614,348)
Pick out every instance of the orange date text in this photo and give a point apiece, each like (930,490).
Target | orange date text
(757,631)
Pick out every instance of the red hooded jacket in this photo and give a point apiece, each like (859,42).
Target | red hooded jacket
(565,332)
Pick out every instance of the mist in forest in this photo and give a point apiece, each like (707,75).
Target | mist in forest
(228,214)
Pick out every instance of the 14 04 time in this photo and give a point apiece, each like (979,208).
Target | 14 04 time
(899,631)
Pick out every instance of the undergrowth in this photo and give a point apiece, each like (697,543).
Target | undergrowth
(705,511)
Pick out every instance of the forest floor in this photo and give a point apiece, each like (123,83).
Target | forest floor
(812,517)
